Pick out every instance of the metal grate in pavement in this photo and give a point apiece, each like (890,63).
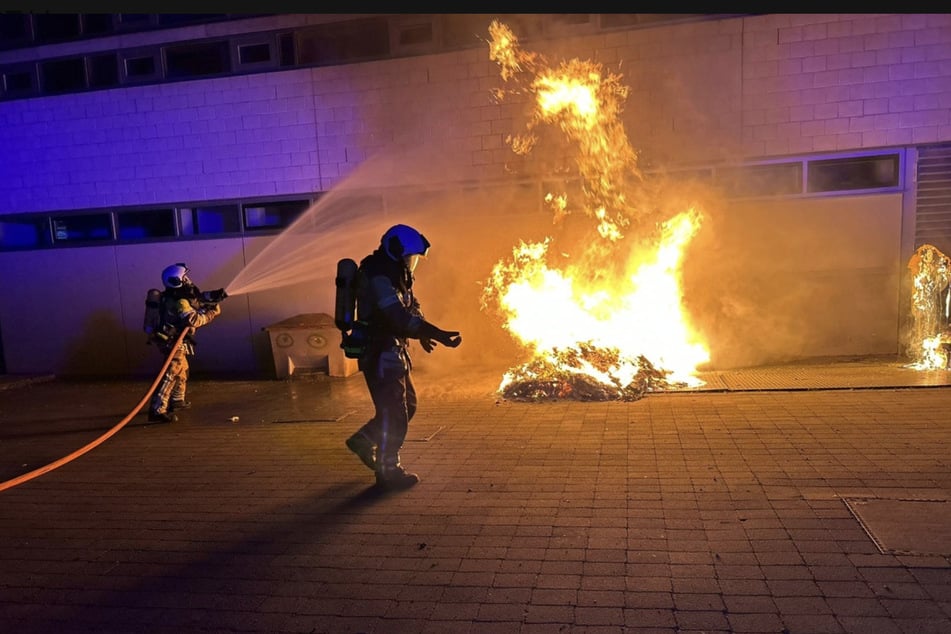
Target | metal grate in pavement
(905,527)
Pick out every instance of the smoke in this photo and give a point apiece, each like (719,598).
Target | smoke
(470,230)
(470,226)
(349,218)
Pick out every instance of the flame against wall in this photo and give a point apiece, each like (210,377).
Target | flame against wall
(598,308)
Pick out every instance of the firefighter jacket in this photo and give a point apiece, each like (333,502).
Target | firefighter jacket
(181,313)
(385,301)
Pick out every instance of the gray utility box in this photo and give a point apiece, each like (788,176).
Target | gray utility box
(309,341)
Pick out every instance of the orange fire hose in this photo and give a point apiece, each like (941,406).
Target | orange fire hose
(9,484)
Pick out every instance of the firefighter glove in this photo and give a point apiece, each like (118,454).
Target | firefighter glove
(448,338)
(217,295)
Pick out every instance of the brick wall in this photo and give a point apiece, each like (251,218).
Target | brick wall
(816,83)
(750,87)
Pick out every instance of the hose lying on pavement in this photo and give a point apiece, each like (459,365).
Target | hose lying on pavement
(9,484)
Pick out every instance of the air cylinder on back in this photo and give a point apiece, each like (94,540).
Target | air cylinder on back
(346,294)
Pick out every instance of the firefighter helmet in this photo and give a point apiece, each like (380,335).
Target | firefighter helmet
(175,276)
(401,241)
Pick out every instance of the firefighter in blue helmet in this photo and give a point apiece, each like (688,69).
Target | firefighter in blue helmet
(182,307)
(390,315)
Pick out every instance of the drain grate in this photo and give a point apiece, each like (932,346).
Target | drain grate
(903,526)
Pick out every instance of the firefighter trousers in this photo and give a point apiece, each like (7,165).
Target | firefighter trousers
(389,380)
(173,384)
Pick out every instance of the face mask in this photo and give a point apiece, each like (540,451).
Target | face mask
(411,262)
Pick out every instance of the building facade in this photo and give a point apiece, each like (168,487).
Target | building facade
(821,142)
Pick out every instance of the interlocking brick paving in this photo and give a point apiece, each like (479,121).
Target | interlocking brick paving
(705,511)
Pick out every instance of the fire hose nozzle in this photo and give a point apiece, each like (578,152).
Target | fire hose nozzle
(214,297)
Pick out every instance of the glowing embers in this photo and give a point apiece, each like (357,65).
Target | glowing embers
(599,305)
(929,344)
(584,373)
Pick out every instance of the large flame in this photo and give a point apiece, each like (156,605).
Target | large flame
(930,338)
(608,310)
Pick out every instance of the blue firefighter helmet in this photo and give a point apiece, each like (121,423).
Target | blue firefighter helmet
(402,241)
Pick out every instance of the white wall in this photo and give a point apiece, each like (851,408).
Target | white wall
(79,311)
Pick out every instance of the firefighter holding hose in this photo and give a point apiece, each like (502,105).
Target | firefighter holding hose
(180,307)
(387,315)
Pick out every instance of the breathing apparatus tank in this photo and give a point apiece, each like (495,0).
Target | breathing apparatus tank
(153,311)
(346,294)
(353,332)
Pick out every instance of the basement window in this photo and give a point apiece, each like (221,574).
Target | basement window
(416,34)
(770,179)
(140,66)
(24,233)
(20,81)
(144,224)
(197,60)
(103,70)
(254,53)
(82,228)
(210,219)
(63,75)
(288,49)
(856,172)
(273,215)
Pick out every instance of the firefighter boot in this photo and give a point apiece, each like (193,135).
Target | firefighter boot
(391,476)
(363,447)
(162,417)
(176,405)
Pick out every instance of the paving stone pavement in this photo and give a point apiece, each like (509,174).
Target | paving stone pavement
(718,510)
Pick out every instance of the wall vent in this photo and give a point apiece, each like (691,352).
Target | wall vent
(933,211)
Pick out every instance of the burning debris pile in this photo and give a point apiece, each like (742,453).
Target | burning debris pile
(601,313)
(930,340)
(568,377)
